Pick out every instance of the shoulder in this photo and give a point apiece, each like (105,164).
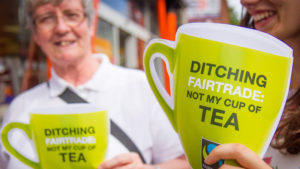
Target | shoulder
(24,101)
(277,159)
(32,93)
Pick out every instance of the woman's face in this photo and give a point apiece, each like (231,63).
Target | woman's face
(280,18)
(63,41)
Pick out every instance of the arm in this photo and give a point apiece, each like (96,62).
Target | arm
(133,161)
(243,155)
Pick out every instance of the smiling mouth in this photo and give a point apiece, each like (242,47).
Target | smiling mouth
(262,16)
(64,43)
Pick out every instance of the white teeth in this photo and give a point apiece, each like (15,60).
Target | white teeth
(262,16)
(64,43)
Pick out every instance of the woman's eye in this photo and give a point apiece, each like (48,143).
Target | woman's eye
(46,19)
(72,16)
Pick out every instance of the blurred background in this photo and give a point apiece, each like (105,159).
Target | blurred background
(123,29)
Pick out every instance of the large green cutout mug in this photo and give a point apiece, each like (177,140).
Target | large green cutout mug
(228,85)
(74,136)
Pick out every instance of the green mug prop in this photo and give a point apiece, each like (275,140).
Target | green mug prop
(74,136)
(228,85)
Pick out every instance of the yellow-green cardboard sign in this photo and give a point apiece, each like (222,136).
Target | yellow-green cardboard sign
(221,92)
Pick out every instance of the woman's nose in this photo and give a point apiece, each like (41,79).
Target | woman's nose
(61,26)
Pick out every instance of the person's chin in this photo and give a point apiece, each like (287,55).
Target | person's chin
(66,51)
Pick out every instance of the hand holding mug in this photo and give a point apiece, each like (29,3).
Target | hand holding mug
(243,155)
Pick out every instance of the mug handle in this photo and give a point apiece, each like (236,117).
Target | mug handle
(163,49)
(11,149)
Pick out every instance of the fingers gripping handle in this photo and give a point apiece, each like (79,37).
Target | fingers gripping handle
(164,50)
(11,149)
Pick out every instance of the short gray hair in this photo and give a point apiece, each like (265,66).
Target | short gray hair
(30,6)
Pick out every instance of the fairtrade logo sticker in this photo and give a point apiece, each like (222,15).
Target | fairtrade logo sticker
(206,147)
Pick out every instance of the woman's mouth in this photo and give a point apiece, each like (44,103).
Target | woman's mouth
(259,17)
(64,43)
(263,19)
